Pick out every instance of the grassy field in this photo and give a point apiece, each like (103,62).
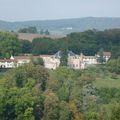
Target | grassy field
(30,36)
(108,82)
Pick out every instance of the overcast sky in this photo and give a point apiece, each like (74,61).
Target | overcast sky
(22,10)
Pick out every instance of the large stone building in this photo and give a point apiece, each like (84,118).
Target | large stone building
(81,61)
(53,61)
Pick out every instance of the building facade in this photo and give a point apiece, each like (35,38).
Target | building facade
(81,61)
(53,61)
(50,61)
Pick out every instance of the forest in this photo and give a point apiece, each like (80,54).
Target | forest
(89,42)
(32,92)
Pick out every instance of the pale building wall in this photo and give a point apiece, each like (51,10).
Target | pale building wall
(10,65)
(7,64)
(106,58)
(74,62)
(90,60)
(51,62)
(21,62)
(81,61)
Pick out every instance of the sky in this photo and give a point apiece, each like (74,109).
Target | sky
(23,10)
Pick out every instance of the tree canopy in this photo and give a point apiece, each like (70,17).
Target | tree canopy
(28,30)
(9,45)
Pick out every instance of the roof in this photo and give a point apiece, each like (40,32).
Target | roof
(58,54)
(21,57)
(7,60)
(46,55)
(89,57)
(106,53)
(25,57)
(16,58)
(70,53)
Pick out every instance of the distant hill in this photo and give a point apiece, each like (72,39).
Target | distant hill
(65,25)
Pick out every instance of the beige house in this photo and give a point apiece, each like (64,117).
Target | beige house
(81,61)
(50,61)
(74,61)
(21,60)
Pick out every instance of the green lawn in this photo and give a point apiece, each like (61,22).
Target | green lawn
(107,82)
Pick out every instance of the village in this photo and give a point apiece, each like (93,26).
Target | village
(74,61)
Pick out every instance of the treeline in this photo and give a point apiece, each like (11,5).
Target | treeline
(28,30)
(88,42)
(34,30)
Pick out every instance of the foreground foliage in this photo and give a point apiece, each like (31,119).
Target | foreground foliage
(31,92)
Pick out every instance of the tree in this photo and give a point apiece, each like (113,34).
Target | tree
(114,65)
(21,99)
(75,113)
(26,46)
(20,78)
(115,115)
(64,53)
(47,32)
(51,106)
(41,76)
(41,31)
(92,116)
(63,59)
(29,114)
(9,45)
(38,61)
(28,30)
(101,59)
(44,46)
(64,112)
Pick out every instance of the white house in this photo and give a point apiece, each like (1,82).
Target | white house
(7,63)
(50,61)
